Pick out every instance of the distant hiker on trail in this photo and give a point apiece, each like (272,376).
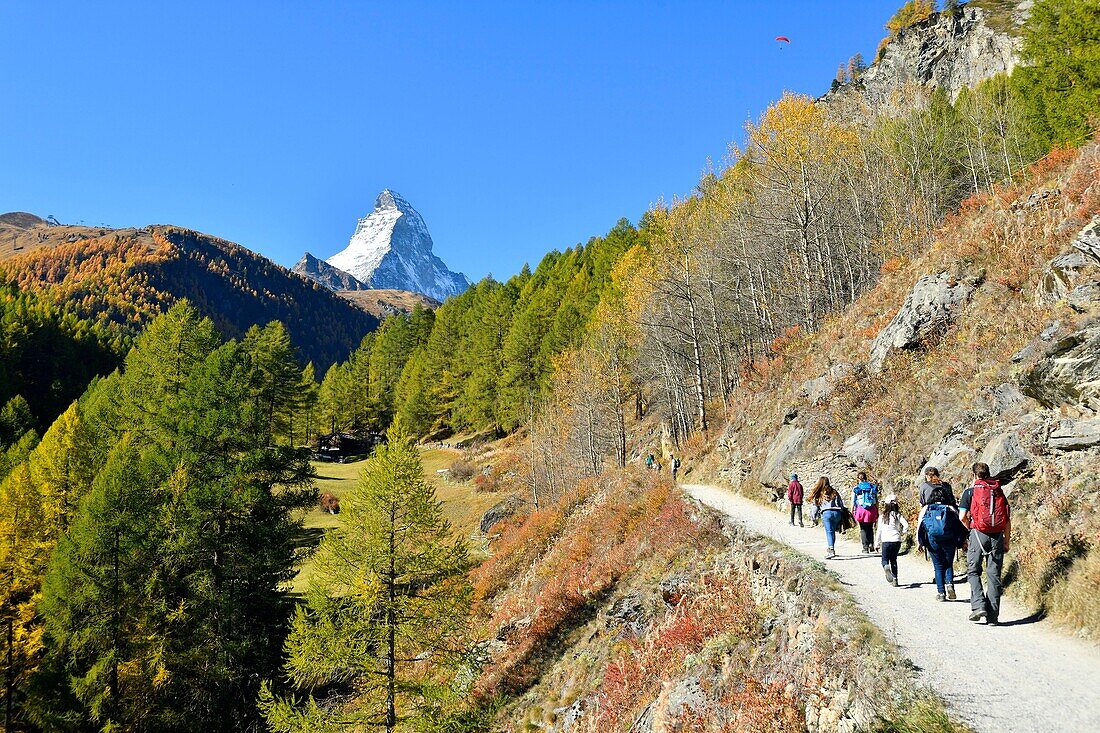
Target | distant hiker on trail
(940,532)
(832,514)
(674,462)
(934,490)
(794,496)
(986,512)
(816,497)
(865,510)
(650,461)
(892,529)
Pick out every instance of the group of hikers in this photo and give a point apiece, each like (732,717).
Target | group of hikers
(979,523)
(653,464)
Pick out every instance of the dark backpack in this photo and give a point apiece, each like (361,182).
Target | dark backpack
(940,495)
(988,507)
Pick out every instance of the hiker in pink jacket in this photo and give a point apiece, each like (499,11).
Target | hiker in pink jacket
(794,496)
(865,510)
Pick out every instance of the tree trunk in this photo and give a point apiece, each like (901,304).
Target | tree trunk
(116,632)
(697,352)
(391,627)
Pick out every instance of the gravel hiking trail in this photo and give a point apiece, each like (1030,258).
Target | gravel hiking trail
(1022,675)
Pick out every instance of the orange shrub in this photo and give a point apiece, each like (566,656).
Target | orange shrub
(553,570)
(720,604)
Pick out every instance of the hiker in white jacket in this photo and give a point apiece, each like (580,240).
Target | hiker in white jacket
(892,529)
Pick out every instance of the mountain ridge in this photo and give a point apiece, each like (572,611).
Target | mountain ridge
(392,249)
(127,276)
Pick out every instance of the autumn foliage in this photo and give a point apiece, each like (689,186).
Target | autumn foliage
(552,570)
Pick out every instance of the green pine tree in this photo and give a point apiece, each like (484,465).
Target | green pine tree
(1059,85)
(387,604)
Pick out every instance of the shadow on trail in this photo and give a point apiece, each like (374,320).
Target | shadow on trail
(1032,619)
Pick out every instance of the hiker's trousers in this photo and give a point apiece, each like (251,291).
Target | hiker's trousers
(942,554)
(890,551)
(990,549)
(831,519)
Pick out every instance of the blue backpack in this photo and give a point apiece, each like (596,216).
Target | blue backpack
(941,523)
(866,494)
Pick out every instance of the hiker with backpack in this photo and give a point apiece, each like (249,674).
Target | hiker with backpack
(892,529)
(986,513)
(865,510)
(794,496)
(940,532)
(674,462)
(832,515)
(934,490)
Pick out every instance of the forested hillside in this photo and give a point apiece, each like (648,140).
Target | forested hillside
(149,536)
(853,288)
(49,357)
(480,362)
(128,276)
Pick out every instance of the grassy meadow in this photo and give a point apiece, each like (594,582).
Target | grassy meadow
(463,504)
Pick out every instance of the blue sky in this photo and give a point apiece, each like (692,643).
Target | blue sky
(514,127)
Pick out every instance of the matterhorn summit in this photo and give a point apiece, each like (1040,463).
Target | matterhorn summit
(391,248)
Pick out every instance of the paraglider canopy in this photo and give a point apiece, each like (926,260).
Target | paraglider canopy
(783,38)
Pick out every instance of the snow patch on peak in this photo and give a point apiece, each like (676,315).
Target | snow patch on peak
(391,248)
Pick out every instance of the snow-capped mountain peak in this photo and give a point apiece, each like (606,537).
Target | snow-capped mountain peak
(391,248)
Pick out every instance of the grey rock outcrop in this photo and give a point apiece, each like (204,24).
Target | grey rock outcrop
(1057,279)
(1068,372)
(684,696)
(1084,297)
(1087,240)
(1005,456)
(1075,434)
(782,451)
(860,450)
(630,614)
(497,513)
(945,52)
(953,454)
(1007,398)
(821,388)
(933,303)
(673,588)
(322,272)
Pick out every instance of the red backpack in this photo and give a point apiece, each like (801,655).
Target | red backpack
(988,507)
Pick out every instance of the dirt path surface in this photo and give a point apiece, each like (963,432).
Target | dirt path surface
(1020,676)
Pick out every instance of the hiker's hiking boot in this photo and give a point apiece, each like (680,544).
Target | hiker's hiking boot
(890,576)
(992,621)
(950,592)
(940,597)
(976,616)
(895,582)
(829,554)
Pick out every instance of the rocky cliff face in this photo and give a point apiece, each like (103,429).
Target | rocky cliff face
(391,248)
(949,52)
(325,274)
(965,354)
